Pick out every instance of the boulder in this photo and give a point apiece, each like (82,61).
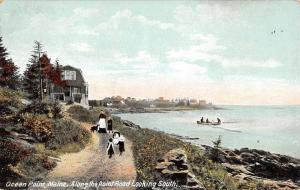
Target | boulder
(174,167)
(130,124)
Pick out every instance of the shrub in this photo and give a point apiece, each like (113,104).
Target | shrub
(80,113)
(56,110)
(38,126)
(12,152)
(50,108)
(10,103)
(66,135)
(35,164)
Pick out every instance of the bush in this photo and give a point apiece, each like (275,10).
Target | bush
(12,152)
(56,110)
(68,136)
(35,164)
(38,126)
(50,108)
(81,114)
(10,103)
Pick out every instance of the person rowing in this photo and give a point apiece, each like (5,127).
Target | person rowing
(202,120)
(207,121)
(219,120)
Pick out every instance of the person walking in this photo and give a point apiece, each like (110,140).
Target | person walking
(110,148)
(102,123)
(121,144)
(110,125)
(116,137)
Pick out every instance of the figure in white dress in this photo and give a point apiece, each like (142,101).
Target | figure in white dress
(116,137)
(102,123)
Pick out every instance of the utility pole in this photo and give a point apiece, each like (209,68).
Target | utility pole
(38,51)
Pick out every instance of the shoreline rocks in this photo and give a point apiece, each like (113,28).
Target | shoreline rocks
(174,167)
(252,164)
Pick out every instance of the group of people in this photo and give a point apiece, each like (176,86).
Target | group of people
(105,125)
(116,140)
(207,121)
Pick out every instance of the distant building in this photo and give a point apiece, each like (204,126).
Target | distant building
(76,89)
(193,102)
(202,102)
(160,98)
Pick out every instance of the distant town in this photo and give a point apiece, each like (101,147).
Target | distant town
(160,102)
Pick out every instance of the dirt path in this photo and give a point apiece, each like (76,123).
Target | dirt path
(93,164)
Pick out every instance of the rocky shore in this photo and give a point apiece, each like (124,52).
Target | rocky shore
(174,167)
(251,164)
(280,171)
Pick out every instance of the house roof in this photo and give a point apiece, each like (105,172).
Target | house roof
(79,77)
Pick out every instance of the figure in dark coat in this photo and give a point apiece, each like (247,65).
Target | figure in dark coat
(207,121)
(110,125)
(110,148)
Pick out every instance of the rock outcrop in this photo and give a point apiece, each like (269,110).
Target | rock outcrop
(174,167)
(130,124)
(248,164)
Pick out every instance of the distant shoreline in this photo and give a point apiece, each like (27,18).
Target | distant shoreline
(159,110)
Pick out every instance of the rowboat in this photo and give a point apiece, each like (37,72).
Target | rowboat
(204,123)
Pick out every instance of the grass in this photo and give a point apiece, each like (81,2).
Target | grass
(148,146)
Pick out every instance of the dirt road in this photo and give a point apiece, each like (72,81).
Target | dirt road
(93,164)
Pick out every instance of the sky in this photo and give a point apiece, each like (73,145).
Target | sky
(225,52)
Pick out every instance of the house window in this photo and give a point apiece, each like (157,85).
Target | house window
(70,75)
(75,90)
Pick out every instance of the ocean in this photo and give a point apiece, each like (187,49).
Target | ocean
(271,128)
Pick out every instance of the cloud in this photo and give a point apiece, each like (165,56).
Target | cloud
(193,53)
(211,12)
(81,47)
(85,12)
(200,50)
(122,15)
(187,68)
(142,57)
(209,51)
(236,62)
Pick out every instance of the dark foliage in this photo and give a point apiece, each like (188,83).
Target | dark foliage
(38,126)
(10,104)
(81,114)
(67,132)
(12,152)
(9,76)
(50,108)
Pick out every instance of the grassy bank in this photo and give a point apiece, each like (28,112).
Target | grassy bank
(149,146)
(33,136)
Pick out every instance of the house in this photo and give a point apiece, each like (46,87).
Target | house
(202,103)
(76,89)
(193,102)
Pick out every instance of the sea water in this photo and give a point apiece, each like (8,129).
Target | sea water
(271,128)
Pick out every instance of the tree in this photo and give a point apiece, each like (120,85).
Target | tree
(215,152)
(56,78)
(33,75)
(217,143)
(9,76)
